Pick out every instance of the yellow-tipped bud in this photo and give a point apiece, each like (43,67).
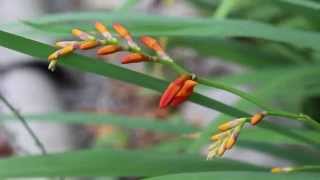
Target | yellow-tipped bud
(89,44)
(255,119)
(231,141)
(222,149)
(219,136)
(66,50)
(281,169)
(62,44)
(231,124)
(82,35)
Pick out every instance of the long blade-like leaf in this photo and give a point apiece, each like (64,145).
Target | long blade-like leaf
(113,163)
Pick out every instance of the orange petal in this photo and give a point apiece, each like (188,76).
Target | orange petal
(172,90)
(82,35)
(122,31)
(108,49)
(151,43)
(134,58)
(184,93)
(89,44)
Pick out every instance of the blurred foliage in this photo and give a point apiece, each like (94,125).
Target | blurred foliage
(275,42)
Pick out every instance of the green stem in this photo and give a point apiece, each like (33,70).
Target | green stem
(300,117)
(224,8)
(232,90)
(176,67)
(306,168)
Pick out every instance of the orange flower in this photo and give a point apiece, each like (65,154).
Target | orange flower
(184,93)
(134,58)
(177,91)
(151,43)
(108,49)
(122,31)
(82,35)
(89,44)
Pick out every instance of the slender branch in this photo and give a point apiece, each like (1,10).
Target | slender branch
(25,125)
(300,117)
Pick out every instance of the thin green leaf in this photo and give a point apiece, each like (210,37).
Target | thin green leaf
(113,163)
(238,176)
(172,26)
(123,121)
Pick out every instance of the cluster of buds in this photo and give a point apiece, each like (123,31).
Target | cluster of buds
(177,92)
(109,44)
(229,133)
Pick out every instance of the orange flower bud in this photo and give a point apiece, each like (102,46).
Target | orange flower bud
(100,27)
(151,43)
(255,119)
(60,52)
(122,31)
(134,58)
(82,35)
(222,148)
(218,136)
(103,30)
(89,44)
(231,141)
(108,49)
(184,93)
(231,124)
(172,90)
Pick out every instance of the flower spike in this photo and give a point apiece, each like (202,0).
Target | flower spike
(226,139)
(134,58)
(172,90)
